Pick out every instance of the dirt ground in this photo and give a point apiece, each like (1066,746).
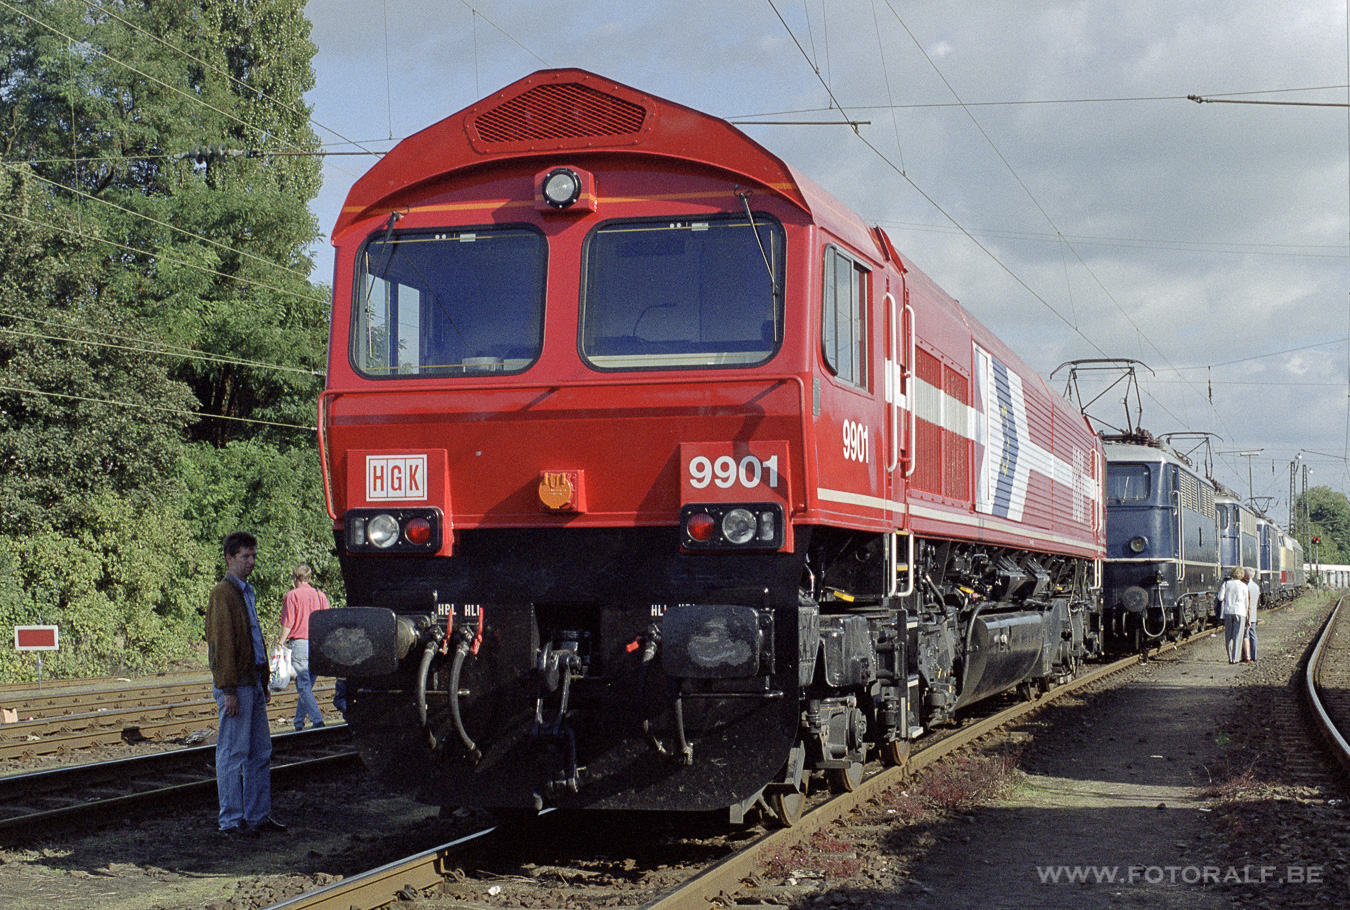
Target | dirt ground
(177,864)
(1164,791)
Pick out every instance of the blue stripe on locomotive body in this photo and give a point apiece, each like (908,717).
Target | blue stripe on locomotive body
(1009,449)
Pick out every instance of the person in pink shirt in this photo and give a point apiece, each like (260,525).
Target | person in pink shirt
(301,601)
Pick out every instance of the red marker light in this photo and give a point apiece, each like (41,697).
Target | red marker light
(418,531)
(701,527)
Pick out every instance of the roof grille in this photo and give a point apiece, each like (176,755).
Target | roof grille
(567,110)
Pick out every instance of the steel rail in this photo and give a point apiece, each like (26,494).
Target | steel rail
(116,789)
(725,877)
(1321,719)
(381,886)
(83,701)
(45,736)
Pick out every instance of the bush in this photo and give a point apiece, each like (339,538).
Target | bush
(277,495)
(124,590)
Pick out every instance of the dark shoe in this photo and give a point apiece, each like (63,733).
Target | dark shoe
(269,825)
(232,831)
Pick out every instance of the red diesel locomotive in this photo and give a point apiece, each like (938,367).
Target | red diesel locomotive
(662,481)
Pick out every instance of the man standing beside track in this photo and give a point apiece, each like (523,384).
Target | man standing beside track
(301,601)
(238,659)
(1253,596)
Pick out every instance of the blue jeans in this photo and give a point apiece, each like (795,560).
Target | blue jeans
(243,759)
(305,703)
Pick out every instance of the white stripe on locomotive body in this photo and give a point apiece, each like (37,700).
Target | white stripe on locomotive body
(1006,455)
(860,499)
(956,518)
(995,524)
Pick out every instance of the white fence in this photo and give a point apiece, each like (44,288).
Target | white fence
(1331,576)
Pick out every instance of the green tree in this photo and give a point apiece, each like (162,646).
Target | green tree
(157,329)
(1329,516)
(180,127)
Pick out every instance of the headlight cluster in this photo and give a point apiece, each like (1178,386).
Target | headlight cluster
(741,526)
(393,530)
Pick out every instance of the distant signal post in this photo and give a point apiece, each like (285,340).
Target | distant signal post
(39,639)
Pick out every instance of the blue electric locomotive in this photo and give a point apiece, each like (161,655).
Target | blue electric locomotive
(1162,543)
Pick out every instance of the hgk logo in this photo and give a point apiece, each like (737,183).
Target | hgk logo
(396,477)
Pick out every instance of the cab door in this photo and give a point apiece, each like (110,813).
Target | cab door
(851,419)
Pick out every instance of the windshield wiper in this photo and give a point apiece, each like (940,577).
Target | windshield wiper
(745,201)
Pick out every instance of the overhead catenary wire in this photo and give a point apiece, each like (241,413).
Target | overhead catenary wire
(183,355)
(1031,102)
(1029,194)
(1215,413)
(929,199)
(156,407)
(164,224)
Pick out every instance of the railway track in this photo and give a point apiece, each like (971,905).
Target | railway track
(402,879)
(40,802)
(1326,683)
(72,719)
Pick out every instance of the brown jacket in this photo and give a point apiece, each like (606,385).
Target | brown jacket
(229,641)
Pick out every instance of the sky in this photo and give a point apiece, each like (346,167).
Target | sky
(1038,159)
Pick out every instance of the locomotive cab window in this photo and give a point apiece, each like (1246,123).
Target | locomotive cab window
(449,304)
(843,329)
(1127,483)
(681,294)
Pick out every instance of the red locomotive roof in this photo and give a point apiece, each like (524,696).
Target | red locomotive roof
(565,110)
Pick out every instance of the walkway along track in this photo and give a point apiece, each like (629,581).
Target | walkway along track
(1327,684)
(43,801)
(383,886)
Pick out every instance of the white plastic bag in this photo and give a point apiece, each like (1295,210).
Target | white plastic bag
(282,671)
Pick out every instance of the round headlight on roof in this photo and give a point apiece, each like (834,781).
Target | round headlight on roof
(562,187)
(382,530)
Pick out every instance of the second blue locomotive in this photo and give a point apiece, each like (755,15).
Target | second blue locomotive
(1171,536)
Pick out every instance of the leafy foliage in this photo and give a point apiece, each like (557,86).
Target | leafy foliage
(273,493)
(159,339)
(1329,516)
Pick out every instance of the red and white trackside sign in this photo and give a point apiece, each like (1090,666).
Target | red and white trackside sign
(37,638)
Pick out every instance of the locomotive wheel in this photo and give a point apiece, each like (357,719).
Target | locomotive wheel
(896,753)
(846,780)
(787,807)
